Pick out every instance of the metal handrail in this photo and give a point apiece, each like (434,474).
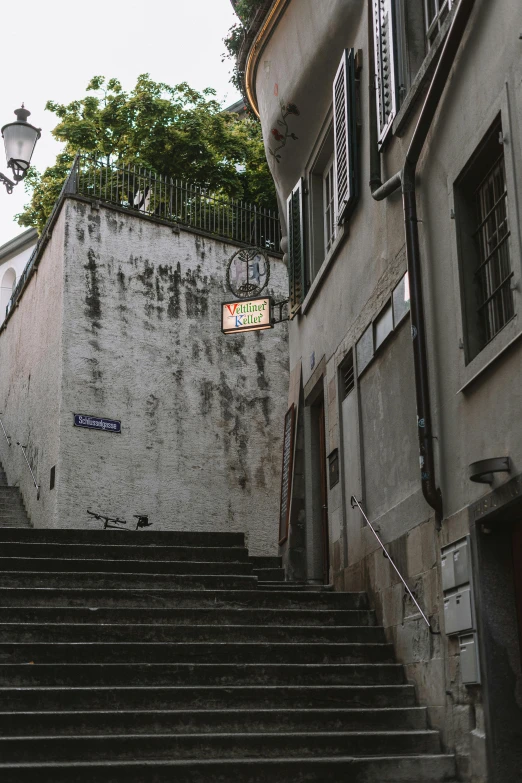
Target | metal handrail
(30,468)
(7,437)
(353,503)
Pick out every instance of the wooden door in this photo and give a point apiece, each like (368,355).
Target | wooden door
(324,496)
(517,574)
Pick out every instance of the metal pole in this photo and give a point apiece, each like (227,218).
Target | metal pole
(28,465)
(7,437)
(353,502)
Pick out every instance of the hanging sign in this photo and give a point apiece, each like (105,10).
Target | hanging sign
(97,423)
(248,315)
(248,272)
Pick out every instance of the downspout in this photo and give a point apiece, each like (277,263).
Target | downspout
(406,178)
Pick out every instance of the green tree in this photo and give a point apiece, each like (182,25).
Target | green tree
(175,131)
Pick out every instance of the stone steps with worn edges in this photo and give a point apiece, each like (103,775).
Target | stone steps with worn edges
(207,697)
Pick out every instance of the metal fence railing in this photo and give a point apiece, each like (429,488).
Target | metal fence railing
(173,200)
(178,201)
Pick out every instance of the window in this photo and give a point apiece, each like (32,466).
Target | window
(435,12)
(481,205)
(323,216)
(329,206)
(384,324)
(296,267)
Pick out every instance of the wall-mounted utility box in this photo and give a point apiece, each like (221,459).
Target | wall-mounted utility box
(458,611)
(469,660)
(455,564)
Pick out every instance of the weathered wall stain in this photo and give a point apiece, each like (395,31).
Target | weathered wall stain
(92,298)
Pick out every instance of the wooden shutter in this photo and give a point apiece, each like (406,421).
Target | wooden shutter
(385,67)
(296,260)
(345,136)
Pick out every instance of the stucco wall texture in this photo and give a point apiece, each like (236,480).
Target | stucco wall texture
(201,413)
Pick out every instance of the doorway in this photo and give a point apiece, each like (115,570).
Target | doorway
(321,538)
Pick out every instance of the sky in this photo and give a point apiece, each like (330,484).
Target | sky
(54,49)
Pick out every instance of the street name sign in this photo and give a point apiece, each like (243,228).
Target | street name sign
(97,423)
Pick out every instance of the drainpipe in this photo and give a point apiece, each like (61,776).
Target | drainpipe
(406,179)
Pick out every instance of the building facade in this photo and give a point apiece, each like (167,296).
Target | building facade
(393,131)
(118,318)
(14,256)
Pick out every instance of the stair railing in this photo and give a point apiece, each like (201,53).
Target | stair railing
(7,437)
(30,469)
(354,502)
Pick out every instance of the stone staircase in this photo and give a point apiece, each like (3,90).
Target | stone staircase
(12,511)
(143,656)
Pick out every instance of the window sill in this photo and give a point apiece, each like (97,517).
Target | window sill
(498,346)
(424,74)
(323,269)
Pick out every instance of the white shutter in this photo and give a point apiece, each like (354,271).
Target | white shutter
(345,135)
(385,68)
(296,256)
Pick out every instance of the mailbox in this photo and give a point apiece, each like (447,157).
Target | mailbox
(458,612)
(469,660)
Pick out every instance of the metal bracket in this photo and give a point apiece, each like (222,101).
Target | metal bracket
(9,185)
(280,305)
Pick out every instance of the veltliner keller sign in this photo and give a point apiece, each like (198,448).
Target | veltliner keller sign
(97,423)
(248,315)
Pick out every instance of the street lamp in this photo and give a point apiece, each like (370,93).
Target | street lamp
(20,140)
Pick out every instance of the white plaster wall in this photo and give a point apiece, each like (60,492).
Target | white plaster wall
(201,413)
(30,380)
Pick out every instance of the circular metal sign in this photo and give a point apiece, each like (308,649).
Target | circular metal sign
(248,272)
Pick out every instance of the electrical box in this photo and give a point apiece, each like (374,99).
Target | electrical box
(469,660)
(458,612)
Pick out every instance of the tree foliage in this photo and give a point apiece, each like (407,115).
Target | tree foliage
(175,131)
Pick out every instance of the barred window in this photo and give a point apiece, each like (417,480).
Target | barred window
(494,271)
(481,202)
(435,13)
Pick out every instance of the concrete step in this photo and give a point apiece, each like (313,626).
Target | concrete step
(168,632)
(132,596)
(14,523)
(193,652)
(193,616)
(291,587)
(121,566)
(117,674)
(259,561)
(207,697)
(129,581)
(207,721)
(123,551)
(379,769)
(270,574)
(219,745)
(126,537)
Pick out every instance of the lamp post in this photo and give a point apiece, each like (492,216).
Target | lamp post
(20,140)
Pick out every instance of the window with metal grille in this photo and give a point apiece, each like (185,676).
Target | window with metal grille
(435,12)
(347,375)
(481,203)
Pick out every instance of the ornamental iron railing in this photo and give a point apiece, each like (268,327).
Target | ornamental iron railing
(177,201)
(173,200)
